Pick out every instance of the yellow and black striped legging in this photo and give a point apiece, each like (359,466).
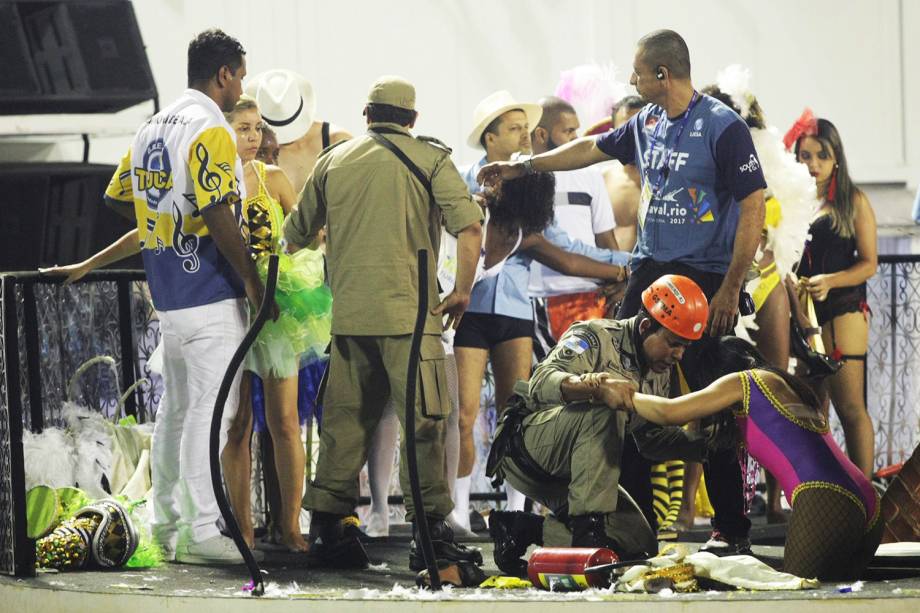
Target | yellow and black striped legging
(667,491)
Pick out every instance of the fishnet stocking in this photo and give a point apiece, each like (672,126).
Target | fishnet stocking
(826,537)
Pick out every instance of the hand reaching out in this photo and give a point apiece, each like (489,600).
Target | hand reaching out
(494,173)
(73,272)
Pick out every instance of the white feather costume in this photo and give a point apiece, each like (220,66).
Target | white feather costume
(92,442)
(48,458)
(79,454)
(787,181)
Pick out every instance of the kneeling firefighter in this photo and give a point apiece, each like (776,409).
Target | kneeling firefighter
(559,441)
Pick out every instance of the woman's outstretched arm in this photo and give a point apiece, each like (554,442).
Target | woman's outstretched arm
(127,245)
(719,395)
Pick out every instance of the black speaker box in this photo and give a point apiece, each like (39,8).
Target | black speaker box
(54,214)
(81,56)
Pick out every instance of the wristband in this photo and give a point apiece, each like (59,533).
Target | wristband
(528,166)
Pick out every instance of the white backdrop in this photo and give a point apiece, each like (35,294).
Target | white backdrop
(850,60)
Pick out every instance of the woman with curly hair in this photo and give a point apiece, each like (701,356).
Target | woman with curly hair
(840,256)
(835,526)
(499,323)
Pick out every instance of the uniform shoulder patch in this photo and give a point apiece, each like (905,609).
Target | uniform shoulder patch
(578,342)
(434,142)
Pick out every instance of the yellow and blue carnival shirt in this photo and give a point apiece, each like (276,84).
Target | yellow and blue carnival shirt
(182,161)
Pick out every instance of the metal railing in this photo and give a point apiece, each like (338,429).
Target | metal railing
(47,330)
(893,361)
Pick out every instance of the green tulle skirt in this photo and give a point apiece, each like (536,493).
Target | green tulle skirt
(305,317)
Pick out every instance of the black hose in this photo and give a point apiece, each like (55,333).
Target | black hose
(421,522)
(258,587)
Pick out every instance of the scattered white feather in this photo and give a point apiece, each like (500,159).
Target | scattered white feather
(49,458)
(403,593)
(274,590)
(852,587)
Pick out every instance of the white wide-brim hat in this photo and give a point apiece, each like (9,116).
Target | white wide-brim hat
(495,105)
(286,102)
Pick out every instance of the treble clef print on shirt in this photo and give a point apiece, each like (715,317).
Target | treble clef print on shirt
(185,245)
(209,180)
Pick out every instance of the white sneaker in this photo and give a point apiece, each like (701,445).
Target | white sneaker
(216,550)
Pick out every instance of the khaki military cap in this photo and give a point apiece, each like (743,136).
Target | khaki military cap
(394,91)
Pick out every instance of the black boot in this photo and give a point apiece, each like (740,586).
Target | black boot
(334,542)
(513,532)
(445,547)
(588,531)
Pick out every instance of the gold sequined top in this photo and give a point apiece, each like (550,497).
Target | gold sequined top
(264,217)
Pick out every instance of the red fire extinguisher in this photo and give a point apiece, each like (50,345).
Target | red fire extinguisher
(563,568)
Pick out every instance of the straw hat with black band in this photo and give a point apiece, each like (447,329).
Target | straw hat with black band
(496,105)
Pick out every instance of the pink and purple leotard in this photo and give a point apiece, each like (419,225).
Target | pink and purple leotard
(799,452)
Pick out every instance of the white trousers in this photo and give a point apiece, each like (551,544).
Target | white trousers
(198,344)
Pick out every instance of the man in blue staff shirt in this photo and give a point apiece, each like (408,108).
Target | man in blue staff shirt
(701,212)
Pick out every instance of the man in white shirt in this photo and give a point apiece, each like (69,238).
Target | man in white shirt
(584,212)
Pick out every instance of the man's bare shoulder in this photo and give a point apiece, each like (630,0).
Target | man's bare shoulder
(338,134)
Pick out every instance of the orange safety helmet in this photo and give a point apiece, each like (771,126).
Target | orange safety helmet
(678,304)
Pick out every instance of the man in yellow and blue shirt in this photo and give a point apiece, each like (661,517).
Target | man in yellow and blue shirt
(182,181)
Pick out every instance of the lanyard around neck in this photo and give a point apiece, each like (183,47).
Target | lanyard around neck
(666,153)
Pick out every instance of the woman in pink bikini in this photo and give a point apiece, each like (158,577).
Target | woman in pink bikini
(834,529)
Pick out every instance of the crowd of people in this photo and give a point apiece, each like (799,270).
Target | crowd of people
(594,294)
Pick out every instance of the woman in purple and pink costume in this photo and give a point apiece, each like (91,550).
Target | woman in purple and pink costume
(834,529)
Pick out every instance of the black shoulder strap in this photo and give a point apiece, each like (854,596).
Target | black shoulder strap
(425,181)
(325,134)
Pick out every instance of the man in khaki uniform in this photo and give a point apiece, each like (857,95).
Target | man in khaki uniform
(568,440)
(379,214)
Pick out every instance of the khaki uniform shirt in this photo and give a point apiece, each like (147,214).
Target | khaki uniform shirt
(379,215)
(608,345)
